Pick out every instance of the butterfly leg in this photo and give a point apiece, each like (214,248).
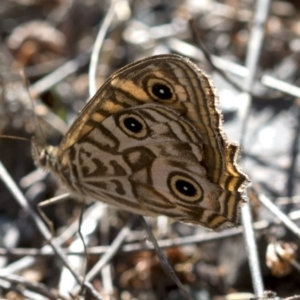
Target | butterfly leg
(50,202)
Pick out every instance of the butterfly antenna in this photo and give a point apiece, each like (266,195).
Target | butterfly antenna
(41,137)
(11,137)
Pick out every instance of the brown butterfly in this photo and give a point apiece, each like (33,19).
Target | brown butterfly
(151,142)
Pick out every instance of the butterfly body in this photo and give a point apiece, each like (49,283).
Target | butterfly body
(150,141)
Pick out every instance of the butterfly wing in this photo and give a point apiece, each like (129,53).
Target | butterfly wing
(174,83)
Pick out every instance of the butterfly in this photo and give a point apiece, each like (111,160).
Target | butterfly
(151,142)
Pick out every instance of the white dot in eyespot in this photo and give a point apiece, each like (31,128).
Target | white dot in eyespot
(161,91)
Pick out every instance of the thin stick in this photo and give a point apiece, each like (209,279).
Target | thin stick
(163,260)
(86,255)
(253,54)
(251,247)
(34,286)
(97,46)
(25,293)
(11,185)
(209,58)
(48,81)
(280,215)
(232,67)
(109,254)
(134,247)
